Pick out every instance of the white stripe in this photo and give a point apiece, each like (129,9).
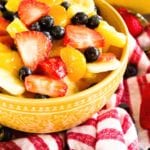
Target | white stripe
(143,64)
(24,144)
(49,141)
(109,123)
(84,129)
(132,45)
(135,100)
(77,145)
(135,97)
(130,135)
(110,144)
(144,40)
(112,102)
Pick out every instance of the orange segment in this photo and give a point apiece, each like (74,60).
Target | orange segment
(75,62)
(10,61)
(60,15)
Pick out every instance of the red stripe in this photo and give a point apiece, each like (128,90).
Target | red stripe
(126,96)
(91,122)
(9,146)
(148,70)
(110,133)
(38,142)
(59,141)
(134,145)
(145,103)
(136,55)
(126,124)
(119,94)
(108,114)
(84,138)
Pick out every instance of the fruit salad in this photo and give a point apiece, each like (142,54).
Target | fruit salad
(54,48)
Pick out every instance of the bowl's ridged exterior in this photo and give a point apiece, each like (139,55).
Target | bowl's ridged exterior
(43,116)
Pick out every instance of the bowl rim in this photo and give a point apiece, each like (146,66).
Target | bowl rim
(28,101)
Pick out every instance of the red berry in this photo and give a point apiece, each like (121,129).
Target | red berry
(53,67)
(33,47)
(82,37)
(134,25)
(30,11)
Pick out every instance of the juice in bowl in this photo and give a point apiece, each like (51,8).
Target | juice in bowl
(66,65)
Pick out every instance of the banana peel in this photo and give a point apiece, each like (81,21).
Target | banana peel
(141,6)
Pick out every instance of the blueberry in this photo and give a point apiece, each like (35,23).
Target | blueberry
(35,26)
(131,70)
(46,22)
(40,96)
(5,133)
(48,35)
(24,72)
(65,4)
(2,5)
(9,15)
(57,32)
(93,21)
(91,54)
(79,18)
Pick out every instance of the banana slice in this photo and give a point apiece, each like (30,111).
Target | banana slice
(103,66)
(10,83)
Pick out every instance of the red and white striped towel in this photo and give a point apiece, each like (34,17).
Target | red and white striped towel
(111,128)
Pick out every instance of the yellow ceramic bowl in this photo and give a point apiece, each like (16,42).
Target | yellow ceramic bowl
(56,114)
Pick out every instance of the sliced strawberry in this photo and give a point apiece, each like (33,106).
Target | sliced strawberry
(3,25)
(30,11)
(82,37)
(45,85)
(53,67)
(7,40)
(33,47)
(134,25)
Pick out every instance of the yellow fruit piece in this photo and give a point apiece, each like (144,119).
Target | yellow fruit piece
(72,86)
(16,26)
(57,46)
(59,14)
(4,48)
(12,5)
(86,6)
(10,61)
(10,83)
(140,6)
(111,35)
(75,62)
(51,2)
(103,66)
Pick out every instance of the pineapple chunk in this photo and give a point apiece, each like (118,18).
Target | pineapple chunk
(110,34)
(10,83)
(12,5)
(16,26)
(104,66)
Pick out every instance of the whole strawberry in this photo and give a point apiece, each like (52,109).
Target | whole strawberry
(134,25)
